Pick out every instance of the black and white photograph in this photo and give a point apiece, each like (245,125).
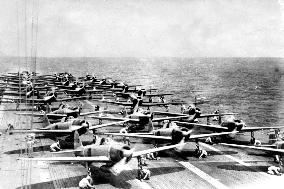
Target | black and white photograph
(142,94)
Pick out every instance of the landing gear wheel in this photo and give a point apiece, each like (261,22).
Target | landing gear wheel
(252,140)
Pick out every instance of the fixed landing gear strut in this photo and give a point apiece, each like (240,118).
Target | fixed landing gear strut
(252,140)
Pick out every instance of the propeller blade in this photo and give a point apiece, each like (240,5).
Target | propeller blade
(181,147)
(117,168)
(121,165)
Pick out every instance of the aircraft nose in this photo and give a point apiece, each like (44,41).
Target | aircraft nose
(128,153)
(85,124)
(186,134)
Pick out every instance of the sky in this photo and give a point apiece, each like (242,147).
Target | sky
(142,28)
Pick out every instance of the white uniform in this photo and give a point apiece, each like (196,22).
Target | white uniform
(203,154)
(145,174)
(54,147)
(30,147)
(273,170)
(85,183)
(125,139)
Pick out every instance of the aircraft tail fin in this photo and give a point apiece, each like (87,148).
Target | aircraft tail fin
(150,126)
(48,109)
(77,141)
(79,107)
(272,139)
(136,105)
(37,94)
(45,120)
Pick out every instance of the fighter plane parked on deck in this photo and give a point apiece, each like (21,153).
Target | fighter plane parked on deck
(141,118)
(115,154)
(275,146)
(79,91)
(227,125)
(174,134)
(61,112)
(65,127)
(47,99)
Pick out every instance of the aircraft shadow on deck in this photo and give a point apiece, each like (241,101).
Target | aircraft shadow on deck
(191,153)
(238,167)
(50,184)
(35,149)
(261,154)
(101,177)
(120,181)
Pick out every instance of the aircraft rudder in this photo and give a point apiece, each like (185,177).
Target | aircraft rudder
(46,121)
(77,141)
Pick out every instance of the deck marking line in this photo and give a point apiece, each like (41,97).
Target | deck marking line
(216,183)
(232,158)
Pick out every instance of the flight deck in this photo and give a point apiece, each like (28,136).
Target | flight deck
(225,167)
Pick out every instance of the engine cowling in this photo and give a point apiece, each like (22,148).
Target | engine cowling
(232,125)
(118,152)
(177,136)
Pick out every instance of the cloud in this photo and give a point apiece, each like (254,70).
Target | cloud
(148,28)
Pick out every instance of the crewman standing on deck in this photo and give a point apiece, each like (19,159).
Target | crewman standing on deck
(17,105)
(30,145)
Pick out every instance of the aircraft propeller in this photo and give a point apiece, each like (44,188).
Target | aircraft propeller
(120,166)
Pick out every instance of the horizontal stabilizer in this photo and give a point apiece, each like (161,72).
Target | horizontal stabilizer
(140,153)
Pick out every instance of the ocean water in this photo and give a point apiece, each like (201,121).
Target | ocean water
(251,87)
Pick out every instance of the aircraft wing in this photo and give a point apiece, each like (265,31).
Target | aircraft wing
(94,112)
(145,104)
(213,115)
(168,113)
(146,135)
(267,149)
(217,128)
(30,114)
(40,114)
(71,159)
(148,104)
(56,115)
(169,118)
(107,124)
(42,131)
(94,91)
(140,153)
(151,136)
(73,128)
(248,129)
(211,134)
(108,118)
(70,91)
(119,103)
(73,98)
(158,94)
